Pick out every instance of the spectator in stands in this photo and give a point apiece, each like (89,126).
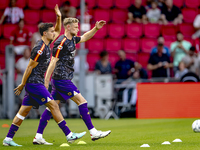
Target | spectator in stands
(159,63)
(20,38)
(161,41)
(171,13)
(35,37)
(67,10)
(12,14)
(126,68)
(191,61)
(196,25)
(179,49)
(103,66)
(137,13)
(154,13)
(87,16)
(77,65)
(182,70)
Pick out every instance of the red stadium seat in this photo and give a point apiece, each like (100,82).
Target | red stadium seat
(190,40)
(100,33)
(134,30)
(151,30)
(31,16)
(123,4)
(101,14)
(178,3)
(116,30)
(189,14)
(143,59)
(35,4)
(4,4)
(3,44)
(169,31)
(95,45)
(48,15)
(131,45)
(168,42)
(132,56)
(91,3)
(113,58)
(113,45)
(2,61)
(106,4)
(119,15)
(187,29)
(192,3)
(50,4)
(31,28)
(1,28)
(21,3)
(92,58)
(147,44)
(144,2)
(7,30)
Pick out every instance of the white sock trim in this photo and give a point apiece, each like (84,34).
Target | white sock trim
(60,121)
(69,135)
(8,139)
(82,103)
(93,131)
(38,136)
(20,116)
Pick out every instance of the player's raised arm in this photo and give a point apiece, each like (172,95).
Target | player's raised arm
(32,64)
(88,35)
(50,70)
(58,22)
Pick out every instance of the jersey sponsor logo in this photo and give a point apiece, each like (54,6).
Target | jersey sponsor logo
(60,47)
(40,52)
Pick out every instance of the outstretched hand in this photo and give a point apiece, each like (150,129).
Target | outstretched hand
(57,11)
(19,89)
(100,24)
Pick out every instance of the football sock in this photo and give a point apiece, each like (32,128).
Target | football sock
(12,131)
(93,131)
(46,116)
(85,115)
(65,129)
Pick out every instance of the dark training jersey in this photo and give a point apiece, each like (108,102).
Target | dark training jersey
(64,49)
(40,53)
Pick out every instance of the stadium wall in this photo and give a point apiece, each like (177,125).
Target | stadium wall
(168,100)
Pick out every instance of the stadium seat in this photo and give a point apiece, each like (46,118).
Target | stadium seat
(169,31)
(116,30)
(3,44)
(95,45)
(7,30)
(192,3)
(91,3)
(31,28)
(21,3)
(1,13)
(31,16)
(131,45)
(35,4)
(113,58)
(168,42)
(187,29)
(4,4)
(178,3)
(92,58)
(1,29)
(50,4)
(48,15)
(189,39)
(147,44)
(100,33)
(189,14)
(106,4)
(144,2)
(101,14)
(143,59)
(151,30)
(119,16)
(113,45)
(134,30)
(132,56)
(123,4)
(2,61)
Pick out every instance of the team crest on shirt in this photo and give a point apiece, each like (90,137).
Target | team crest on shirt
(40,52)
(43,99)
(60,47)
(69,93)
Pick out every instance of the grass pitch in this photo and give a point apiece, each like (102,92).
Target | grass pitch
(127,134)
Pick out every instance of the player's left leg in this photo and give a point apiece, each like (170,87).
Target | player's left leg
(85,115)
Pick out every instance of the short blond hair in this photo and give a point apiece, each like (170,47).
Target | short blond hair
(67,21)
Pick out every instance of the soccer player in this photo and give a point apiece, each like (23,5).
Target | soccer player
(62,63)
(36,93)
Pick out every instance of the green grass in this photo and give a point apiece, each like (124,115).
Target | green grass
(127,134)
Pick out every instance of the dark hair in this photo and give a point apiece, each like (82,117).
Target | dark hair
(103,53)
(67,3)
(192,48)
(179,32)
(44,27)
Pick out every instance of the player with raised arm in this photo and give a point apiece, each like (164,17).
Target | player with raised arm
(36,93)
(62,63)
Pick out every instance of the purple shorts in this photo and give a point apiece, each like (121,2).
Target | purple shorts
(63,89)
(36,94)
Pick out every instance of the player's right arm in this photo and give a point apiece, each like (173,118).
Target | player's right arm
(32,64)
(50,70)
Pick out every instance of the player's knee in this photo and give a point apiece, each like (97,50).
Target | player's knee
(53,106)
